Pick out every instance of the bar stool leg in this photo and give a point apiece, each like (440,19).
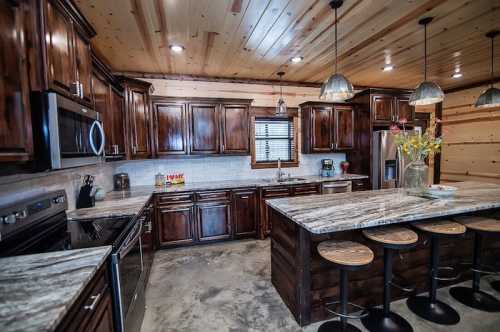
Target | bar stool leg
(474,297)
(383,320)
(496,285)
(342,325)
(429,307)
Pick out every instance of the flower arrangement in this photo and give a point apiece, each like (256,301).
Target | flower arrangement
(417,146)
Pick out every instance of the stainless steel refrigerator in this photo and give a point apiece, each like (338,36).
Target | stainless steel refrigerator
(388,164)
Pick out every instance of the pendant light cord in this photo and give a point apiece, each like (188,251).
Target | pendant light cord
(336,48)
(492,56)
(425,52)
(281,88)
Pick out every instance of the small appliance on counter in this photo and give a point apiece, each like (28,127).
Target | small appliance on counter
(327,168)
(344,166)
(121,181)
(86,197)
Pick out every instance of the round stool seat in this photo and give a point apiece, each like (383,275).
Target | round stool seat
(479,223)
(391,235)
(441,227)
(346,253)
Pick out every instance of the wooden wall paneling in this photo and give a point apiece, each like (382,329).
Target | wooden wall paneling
(471,149)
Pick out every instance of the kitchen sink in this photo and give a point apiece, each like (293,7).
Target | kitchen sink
(291,179)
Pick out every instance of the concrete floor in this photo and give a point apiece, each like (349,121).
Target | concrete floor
(227,287)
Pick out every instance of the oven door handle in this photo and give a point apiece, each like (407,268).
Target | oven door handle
(96,124)
(131,239)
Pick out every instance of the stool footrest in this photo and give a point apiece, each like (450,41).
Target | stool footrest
(447,273)
(364,312)
(402,284)
(483,268)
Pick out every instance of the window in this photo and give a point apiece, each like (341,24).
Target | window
(274,138)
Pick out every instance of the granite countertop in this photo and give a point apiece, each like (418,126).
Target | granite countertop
(363,209)
(130,202)
(36,291)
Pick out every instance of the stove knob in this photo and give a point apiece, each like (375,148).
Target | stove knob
(59,200)
(10,219)
(21,214)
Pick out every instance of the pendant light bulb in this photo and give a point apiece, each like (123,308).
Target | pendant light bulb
(337,88)
(427,92)
(490,97)
(281,105)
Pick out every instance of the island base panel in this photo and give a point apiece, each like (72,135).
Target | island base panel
(305,281)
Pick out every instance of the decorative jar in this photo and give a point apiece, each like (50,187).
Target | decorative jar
(416,178)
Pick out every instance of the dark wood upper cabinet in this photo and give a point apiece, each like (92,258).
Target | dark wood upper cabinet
(118,120)
(244,208)
(204,128)
(170,132)
(327,127)
(68,54)
(344,127)
(404,110)
(383,109)
(138,126)
(16,143)
(235,129)
(213,221)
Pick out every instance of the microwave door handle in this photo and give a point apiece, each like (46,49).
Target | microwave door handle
(97,151)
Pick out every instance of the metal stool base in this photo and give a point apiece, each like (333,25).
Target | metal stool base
(336,326)
(377,321)
(478,300)
(496,285)
(437,312)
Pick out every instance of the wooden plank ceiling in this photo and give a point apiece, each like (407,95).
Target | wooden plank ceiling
(257,38)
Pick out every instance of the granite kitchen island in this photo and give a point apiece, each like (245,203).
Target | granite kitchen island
(305,281)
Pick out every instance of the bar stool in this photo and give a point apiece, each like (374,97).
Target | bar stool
(429,307)
(474,297)
(392,238)
(496,285)
(346,256)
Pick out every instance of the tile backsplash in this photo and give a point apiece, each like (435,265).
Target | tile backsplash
(142,172)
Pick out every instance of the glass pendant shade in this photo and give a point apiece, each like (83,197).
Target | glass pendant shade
(281,105)
(337,88)
(489,98)
(427,93)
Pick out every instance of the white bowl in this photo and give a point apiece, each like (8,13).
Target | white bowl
(440,191)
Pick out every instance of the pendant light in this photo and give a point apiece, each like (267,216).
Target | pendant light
(490,97)
(337,87)
(281,105)
(427,92)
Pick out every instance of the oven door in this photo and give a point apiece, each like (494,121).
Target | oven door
(76,133)
(128,280)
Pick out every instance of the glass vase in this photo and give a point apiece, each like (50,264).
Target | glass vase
(416,178)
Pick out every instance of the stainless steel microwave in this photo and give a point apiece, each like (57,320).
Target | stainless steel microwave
(75,133)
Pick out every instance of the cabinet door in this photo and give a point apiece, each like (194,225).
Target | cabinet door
(83,65)
(175,225)
(170,130)
(344,128)
(404,110)
(102,103)
(213,221)
(102,319)
(268,193)
(139,124)
(118,110)
(60,57)
(321,129)
(245,213)
(235,129)
(204,125)
(16,142)
(383,109)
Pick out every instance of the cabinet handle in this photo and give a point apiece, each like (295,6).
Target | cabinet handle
(95,299)
(81,90)
(75,89)
(244,197)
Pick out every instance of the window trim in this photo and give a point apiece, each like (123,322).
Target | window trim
(274,164)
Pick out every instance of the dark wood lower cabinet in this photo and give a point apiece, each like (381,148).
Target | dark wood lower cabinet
(93,310)
(213,221)
(244,206)
(175,225)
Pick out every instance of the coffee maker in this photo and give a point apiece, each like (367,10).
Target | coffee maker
(327,168)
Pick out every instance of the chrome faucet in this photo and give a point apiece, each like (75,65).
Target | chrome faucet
(280,173)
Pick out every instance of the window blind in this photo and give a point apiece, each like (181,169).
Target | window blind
(274,140)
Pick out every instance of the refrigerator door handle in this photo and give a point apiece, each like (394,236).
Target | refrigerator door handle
(400,168)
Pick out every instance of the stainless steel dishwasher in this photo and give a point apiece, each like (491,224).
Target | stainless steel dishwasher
(336,187)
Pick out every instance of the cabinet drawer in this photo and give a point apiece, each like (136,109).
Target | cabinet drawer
(175,199)
(306,189)
(205,196)
(359,185)
(275,192)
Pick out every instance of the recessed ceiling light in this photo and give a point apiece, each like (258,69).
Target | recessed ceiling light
(457,75)
(388,67)
(297,59)
(177,48)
